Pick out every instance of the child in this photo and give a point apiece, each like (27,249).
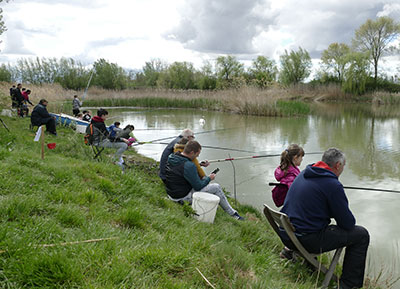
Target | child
(285,173)
(114,129)
(127,133)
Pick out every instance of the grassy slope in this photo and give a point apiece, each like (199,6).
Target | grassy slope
(69,197)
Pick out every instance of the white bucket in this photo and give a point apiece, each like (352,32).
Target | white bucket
(81,128)
(205,205)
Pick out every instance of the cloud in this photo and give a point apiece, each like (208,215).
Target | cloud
(220,27)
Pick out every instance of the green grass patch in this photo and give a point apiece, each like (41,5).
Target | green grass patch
(293,108)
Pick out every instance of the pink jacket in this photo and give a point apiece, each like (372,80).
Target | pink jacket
(286,180)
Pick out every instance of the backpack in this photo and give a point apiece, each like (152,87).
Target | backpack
(88,138)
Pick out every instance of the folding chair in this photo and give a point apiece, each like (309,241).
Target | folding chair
(97,151)
(280,220)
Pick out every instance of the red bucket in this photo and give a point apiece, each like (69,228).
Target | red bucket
(51,146)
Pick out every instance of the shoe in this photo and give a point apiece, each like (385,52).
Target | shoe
(237,216)
(286,253)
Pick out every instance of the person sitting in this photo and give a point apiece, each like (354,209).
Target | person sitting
(180,146)
(87,115)
(169,150)
(315,197)
(182,179)
(100,137)
(127,133)
(40,116)
(113,130)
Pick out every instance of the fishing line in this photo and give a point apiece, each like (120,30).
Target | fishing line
(234,181)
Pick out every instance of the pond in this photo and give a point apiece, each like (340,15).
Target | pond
(371,145)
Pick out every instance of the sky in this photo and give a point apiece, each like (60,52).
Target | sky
(132,32)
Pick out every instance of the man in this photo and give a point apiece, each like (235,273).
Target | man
(315,197)
(170,149)
(100,137)
(182,179)
(17,98)
(76,105)
(41,116)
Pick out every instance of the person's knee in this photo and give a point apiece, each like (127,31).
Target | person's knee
(363,233)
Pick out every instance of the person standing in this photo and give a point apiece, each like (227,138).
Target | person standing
(315,197)
(76,105)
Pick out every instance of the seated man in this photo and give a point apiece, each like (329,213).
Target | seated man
(169,149)
(182,179)
(41,116)
(100,136)
(315,197)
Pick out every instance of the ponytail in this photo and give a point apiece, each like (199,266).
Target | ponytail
(288,154)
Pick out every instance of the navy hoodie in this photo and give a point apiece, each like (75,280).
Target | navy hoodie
(315,197)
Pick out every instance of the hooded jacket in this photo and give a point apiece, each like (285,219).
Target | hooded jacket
(315,197)
(40,115)
(286,179)
(169,149)
(181,176)
(100,131)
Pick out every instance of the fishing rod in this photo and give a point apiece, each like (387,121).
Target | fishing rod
(250,157)
(4,125)
(352,188)
(87,86)
(219,148)
(202,132)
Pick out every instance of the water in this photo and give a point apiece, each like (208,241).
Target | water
(371,145)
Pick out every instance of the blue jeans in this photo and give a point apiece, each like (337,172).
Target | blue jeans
(120,146)
(356,242)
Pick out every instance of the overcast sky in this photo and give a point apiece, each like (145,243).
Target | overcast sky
(131,32)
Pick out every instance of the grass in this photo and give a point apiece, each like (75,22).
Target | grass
(69,197)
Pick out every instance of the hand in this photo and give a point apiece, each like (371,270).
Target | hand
(204,163)
(212,176)
(125,140)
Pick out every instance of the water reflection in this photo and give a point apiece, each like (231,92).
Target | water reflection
(369,138)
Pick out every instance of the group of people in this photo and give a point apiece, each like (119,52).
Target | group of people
(20,99)
(183,175)
(310,199)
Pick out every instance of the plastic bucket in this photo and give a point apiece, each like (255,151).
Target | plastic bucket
(205,205)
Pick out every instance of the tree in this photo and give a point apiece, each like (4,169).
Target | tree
(334,57)
(5,74)
(179,75)
(152,70)
(263,71)
(295,67)
(228,68)
(206,78)
(376,37)
(2,24)
(356,72)
(109,75)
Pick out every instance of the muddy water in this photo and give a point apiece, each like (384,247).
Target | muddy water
(371,145)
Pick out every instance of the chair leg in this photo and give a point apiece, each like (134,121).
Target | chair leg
(332,266)
(97,151)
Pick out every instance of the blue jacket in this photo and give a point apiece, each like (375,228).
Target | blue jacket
(169,149)
(315,197)
(181,176)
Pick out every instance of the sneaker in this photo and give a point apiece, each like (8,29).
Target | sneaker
(237,216)
(286,253)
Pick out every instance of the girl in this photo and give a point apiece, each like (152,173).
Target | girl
(286,172)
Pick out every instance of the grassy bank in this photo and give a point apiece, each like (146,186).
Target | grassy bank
(69,197)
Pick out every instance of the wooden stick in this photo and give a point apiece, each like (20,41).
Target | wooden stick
(208,282)
(42,139)
(69,243)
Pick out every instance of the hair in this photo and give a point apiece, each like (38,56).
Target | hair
(79,114)
(187,132)
(117,123)
(28,91)
(75,96)
(42,101)
(85,111)
(333,155)
(288,154)
(102,112)
(183,141)
(192,146)
(23,89)
(130,126)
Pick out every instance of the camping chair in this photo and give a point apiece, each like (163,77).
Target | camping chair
(97,151)
(280,220)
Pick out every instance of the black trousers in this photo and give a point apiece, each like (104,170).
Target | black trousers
(50,125)
(355,241)
(75,111)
